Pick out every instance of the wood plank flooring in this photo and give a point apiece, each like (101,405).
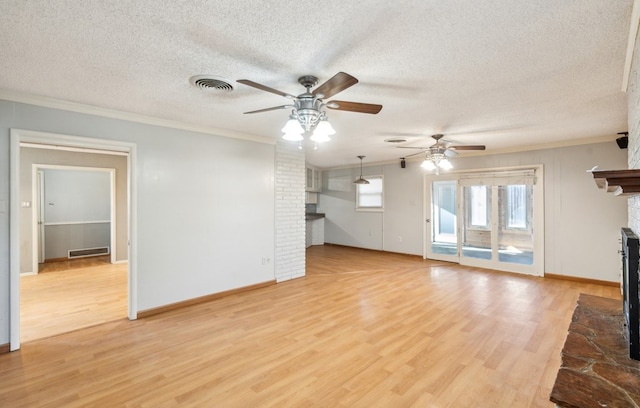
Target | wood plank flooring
(70,295)
(362,329)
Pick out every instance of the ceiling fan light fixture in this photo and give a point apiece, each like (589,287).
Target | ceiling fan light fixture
(445,164)
(322,131)
(436,160)
(292,130)
(427,164)
(293,137)
(325,127)
(319,137)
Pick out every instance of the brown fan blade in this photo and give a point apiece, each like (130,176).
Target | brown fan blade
(356,107)
(270,109)
(476,147)
(265,88)
(338,83)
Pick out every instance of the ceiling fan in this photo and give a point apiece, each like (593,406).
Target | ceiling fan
(437,153)
(442,146)
(308,107)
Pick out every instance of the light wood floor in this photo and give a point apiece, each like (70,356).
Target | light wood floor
(70,295)
(362,329)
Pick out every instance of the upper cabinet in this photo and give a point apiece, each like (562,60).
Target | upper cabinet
(313,179)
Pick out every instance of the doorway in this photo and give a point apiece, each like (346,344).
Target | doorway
(490,219)
(52,143)
(74,212)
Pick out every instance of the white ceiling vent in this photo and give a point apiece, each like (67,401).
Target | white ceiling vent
(211,82)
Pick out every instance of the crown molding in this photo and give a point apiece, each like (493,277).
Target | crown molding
(21,97)
(492,152)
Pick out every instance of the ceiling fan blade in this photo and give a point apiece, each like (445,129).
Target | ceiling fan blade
(356,107)
(413,154)
(271,109)
(476,147)
(265,88)
(338,83)
(413,147)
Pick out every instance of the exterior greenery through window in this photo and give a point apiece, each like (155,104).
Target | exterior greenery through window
(370,196)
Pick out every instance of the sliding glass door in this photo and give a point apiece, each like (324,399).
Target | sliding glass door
(490,219)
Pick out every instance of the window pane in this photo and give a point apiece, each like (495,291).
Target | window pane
(478,216)
(370,195)
(517,206)
(515,235)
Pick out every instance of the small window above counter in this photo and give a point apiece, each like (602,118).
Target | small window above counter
(618,182)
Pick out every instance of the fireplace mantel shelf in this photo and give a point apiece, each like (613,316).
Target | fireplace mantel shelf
(618,182)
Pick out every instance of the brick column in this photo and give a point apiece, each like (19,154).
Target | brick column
(289,207)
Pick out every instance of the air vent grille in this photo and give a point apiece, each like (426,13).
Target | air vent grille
(210,82)
(85,252)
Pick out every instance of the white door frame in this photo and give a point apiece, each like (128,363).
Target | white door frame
(80,144)
(36,194)
(429,218)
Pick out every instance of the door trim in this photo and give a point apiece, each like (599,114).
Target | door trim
(58,141)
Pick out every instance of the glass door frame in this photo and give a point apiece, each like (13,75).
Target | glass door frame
(537,267)
(429,216)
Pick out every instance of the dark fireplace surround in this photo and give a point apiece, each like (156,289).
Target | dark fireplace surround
(630,302)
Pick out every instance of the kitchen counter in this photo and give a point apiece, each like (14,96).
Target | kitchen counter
(314,229)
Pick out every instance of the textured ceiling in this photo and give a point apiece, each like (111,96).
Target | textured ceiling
(504,73)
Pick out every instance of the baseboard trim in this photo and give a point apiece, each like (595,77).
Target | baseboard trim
(546,275)
(581,280)
(5,348)
(178,305)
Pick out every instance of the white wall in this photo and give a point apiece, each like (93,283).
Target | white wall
(582,223)
(79,204)
(205,205)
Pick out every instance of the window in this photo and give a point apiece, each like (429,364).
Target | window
(478,209)
(370,196)
(517,212)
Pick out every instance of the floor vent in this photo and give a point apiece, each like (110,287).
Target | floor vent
(82,253)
